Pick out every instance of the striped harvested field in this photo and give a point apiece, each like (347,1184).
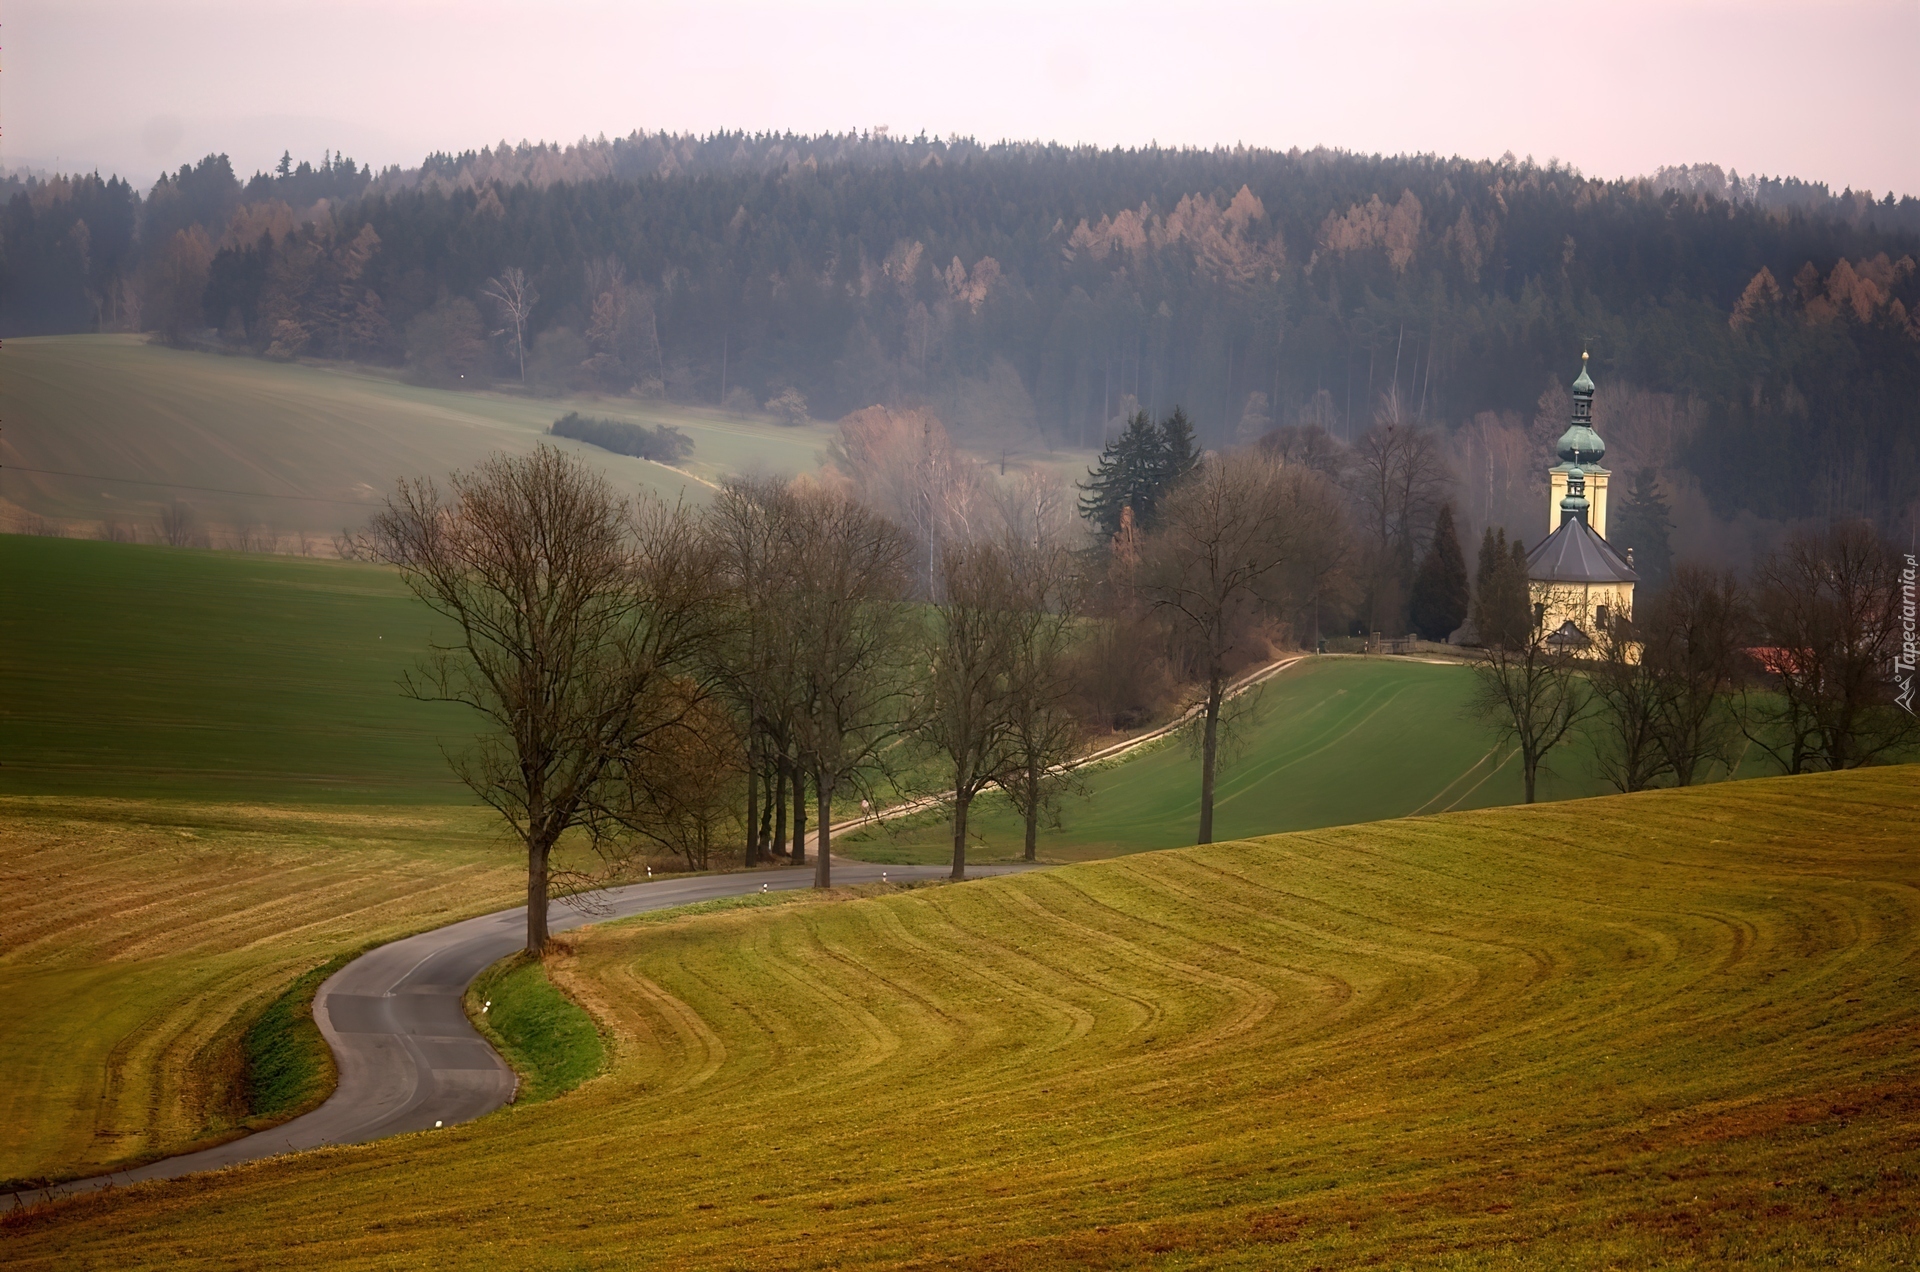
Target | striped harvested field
(139,937)
(1666,1030)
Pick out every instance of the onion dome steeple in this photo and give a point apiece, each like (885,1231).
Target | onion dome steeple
(1580,444)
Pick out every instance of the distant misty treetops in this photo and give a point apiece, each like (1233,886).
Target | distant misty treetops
(1027,291)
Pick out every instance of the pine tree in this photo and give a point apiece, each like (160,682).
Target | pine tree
(1644,524)
(1440,595)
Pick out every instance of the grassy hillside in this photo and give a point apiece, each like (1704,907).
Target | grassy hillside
(1332,741)
(135,670)
(1667,1030)
(293,448)
(139,936)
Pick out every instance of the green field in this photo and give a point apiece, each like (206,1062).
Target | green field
(292,448)
(148,671)
(1671,1030)
(1332,741)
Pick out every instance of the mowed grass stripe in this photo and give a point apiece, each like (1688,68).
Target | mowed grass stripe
(1666,1030)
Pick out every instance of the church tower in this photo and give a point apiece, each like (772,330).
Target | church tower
(1579,584)
(1580,447)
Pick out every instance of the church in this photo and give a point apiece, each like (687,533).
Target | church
(1577,581)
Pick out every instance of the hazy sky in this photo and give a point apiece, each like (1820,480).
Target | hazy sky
(1827,91)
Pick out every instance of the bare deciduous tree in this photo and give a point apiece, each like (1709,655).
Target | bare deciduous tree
(179,527)
(1046,733)
(1398,481)
(904,466)
(749,521)
(178,282)
(1828,604)
(1533,693)
(515,297)
(577,625)
(1629,699)
(1217,564)
(849,574)
(1694,632)
(681,790)
(969,707)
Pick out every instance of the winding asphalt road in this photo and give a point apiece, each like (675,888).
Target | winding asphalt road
(408,1058)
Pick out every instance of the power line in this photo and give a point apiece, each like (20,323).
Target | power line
(174,485)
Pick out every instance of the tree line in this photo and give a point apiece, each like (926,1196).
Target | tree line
(1035,294)
(1800,665)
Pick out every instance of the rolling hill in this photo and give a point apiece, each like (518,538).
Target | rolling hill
(1664,1030)
(103,432)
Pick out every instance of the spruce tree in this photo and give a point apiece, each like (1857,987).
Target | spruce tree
(1124,476)
(1644,523)
(1178,455)
(1440,594)
(1136,469)
(1491,550)
(1502,604)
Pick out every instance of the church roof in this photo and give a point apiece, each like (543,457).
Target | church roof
(1575,554)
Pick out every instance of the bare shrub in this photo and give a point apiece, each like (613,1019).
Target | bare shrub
(180,526)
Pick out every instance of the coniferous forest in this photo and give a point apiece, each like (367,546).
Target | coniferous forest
(1757,341)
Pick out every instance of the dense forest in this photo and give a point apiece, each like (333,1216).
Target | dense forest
(1756,340)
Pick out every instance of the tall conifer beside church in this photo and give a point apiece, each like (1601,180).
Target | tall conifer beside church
(1579,582)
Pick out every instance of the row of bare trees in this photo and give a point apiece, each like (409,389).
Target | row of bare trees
(178,525)
(654,678)
(1796,666)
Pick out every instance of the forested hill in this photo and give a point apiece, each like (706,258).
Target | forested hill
(1033,289)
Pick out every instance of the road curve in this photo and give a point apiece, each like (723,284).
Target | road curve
(408,1058)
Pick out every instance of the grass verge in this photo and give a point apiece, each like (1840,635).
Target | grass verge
(551,1043)
(288,1067)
